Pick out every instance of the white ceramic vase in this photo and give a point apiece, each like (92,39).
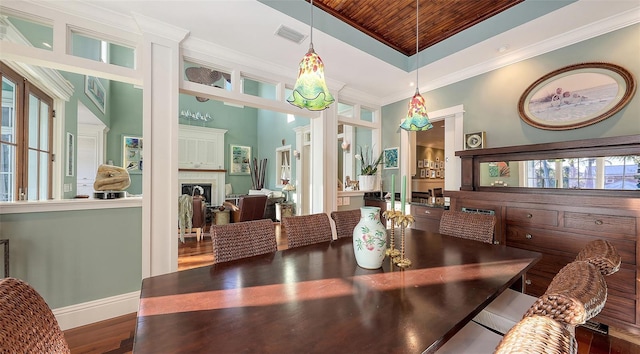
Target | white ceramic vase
(367,182)
(369,239)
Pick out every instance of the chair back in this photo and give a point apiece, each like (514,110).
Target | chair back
(307,229)
(602,254)
(345,221)
(241,240)
(472,226)
(250,207)
(538,334)
(198,220)
(576,294)
(27,324)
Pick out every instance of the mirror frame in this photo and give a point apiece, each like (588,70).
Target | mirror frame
(570,75)
(612,146)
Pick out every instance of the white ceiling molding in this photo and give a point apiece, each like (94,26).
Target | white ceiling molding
(159,28)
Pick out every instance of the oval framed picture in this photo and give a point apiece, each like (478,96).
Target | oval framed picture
(576,96)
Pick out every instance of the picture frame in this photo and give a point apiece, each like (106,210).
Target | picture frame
(391,157)
(239,160)
(423,173)
(576,96)
(432,174)
(432,164)
(426,163)
(438,174)
(70,160)
(95,91)
(132,148)
(420,164)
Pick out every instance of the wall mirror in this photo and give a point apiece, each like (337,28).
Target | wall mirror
(604,172)
(603,165)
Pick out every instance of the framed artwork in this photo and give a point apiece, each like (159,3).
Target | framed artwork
(576,96)
(438,174)
(433,174)
(436,165)
(432,164)
(391,158)
(132,153)
(426,163)
(423,173)
(420,164)
(70,166)
(239,160)
(437,159)
(95,91)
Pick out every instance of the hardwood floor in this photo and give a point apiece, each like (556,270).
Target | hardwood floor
(115,336)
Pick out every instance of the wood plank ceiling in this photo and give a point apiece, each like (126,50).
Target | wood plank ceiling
(393,22)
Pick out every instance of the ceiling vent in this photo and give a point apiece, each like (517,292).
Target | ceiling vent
(290,34)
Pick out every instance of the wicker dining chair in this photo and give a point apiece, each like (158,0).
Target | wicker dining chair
(538,334)
(576,294)
(243,239)
(602,254)
(345,221)
(27,324)
(472,226)
(307,229)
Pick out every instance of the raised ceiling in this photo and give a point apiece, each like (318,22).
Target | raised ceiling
(394,22)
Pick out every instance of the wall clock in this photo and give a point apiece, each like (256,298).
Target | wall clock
(474,140)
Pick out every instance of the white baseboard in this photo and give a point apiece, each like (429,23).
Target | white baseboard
(98,310)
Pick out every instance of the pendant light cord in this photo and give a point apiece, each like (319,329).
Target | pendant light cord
(311,32)
(417,37)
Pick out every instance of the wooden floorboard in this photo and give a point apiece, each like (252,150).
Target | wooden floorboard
(115,336)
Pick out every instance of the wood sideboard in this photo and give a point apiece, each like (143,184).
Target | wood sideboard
(559,226)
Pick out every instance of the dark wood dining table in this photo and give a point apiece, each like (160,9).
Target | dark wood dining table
(315,299)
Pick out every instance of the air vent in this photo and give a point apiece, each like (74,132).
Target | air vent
(290,34)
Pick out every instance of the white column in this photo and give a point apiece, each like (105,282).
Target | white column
(161,51)
(324,161)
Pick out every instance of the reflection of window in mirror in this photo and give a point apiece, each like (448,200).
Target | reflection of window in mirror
(610,172)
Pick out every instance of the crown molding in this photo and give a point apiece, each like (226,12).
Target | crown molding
(159,28)
(578,35)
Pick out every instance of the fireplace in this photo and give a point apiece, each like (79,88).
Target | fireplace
(205,190)
(212,184)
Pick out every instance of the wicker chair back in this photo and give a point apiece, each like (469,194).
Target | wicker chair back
(243,239)
(576,294)
(27,324)
(472,226)
(602,254)
(345,222)
(307,229)
(538,334)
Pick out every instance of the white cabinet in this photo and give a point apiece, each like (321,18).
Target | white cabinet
(200,148)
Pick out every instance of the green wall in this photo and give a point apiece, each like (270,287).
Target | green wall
(125,107)
(72,257)
(275,128)
(241,127)
(491,100)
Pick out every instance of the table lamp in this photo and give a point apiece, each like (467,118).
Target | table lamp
(288,188)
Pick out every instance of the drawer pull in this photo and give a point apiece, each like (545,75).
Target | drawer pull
(598,222)
(529,216)
(528,282)
(427,212)
(528,236)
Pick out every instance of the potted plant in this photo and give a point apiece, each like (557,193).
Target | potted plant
(368,168)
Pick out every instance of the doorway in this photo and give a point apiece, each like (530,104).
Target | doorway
(91,152)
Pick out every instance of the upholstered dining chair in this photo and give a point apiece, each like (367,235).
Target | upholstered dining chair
(576,294)
(27,324)
(250,207)
(538,334)
(241,240)
(472,226)
(346,221)
(307,229)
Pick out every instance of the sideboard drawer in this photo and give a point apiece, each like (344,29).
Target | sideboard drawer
(606,224)
(426,218)
(530,216)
